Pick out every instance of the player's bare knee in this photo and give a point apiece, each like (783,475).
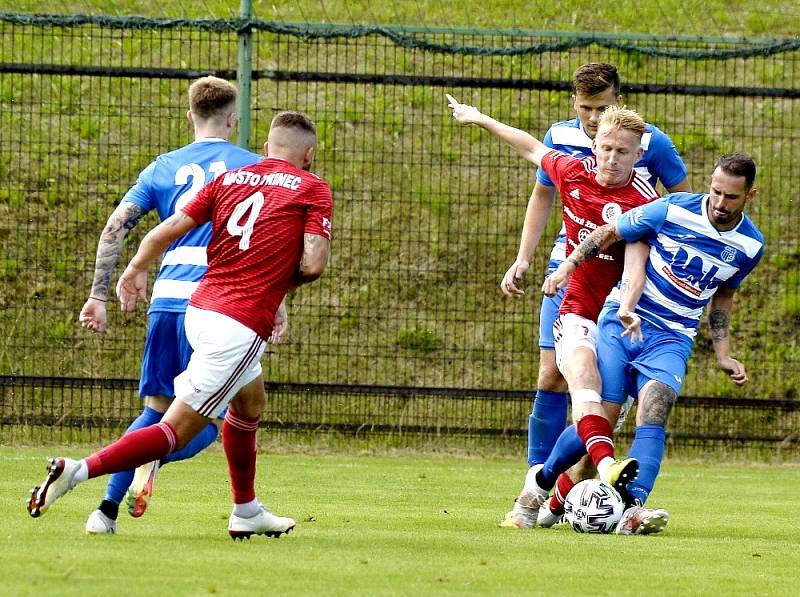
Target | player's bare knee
(159,404)
(655,403)
(250,401)
(550,378)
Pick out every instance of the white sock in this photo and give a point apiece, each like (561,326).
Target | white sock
(603,465)
(81,474)
(247,510)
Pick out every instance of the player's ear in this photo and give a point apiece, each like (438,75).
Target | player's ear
(308,156)
(266,148)
(751,194)
(189,117)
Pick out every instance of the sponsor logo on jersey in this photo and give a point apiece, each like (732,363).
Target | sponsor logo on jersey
(574,193)
(635,215)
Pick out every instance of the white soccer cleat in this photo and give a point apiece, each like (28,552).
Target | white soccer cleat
(59,480)
(638,520)
(547,518)
(532,496)
(519,518)
(100,524)
(141,489)
(263,523)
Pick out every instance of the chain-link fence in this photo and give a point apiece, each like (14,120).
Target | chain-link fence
(408,329)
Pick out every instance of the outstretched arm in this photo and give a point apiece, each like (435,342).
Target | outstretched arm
(124,218)
(523,143)
(719,314)
(590,247)
(132,284)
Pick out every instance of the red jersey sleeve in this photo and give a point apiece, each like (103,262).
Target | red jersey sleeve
(556,164)
(319,213)
(200,207)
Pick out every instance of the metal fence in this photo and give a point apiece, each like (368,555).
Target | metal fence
(407,332)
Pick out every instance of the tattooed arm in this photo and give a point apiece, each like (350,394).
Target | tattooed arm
(590,247)
(719,313)
(122,220)
(316,250)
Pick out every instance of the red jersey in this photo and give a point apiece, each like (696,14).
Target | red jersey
(259,214)
(587,206)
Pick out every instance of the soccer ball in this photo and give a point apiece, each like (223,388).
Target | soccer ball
(593,506)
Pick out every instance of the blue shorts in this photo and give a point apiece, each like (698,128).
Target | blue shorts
(166,354)
(547,317)
(625,368)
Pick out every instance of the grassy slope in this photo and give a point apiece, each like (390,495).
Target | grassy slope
(400,526)
(422,294)
(749,17)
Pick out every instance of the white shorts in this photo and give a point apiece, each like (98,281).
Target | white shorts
(226,357)
(572,331)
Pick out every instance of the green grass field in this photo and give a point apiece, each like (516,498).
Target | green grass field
(398,525)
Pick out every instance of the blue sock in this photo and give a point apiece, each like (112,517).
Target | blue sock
(568,450)
(648,448)
(198,443)
(545,423)
(118,483)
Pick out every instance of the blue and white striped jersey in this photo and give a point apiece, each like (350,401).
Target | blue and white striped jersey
(167,184)
(660,161)
(689,258)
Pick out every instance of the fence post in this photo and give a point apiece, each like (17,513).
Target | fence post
(244,73)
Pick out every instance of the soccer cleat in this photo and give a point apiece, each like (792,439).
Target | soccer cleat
(59,480)
(620,473)
(141,489)
(100,524)
(532,496)
(547,518)
(637,520)
(263,523)
(519,518)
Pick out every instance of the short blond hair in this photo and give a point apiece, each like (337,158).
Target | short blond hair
(616,117)
(211,97)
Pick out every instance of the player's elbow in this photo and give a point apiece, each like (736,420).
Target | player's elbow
(310,271)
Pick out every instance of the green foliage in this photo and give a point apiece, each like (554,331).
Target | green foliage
(429,527)
(421,339)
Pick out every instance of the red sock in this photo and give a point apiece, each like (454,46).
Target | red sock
(563,485)
(239,442)
(596,433)
(132,449)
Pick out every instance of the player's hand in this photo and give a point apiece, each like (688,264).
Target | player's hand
(463,113)
(280,326)
(633,325)
(93,315)
(510,285)
(131,287)
(734,369)
(558,279)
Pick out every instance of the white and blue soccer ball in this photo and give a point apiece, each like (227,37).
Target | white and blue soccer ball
(593,506)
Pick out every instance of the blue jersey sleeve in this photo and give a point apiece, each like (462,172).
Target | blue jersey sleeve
(142,193)
(663,159)
(541,175)
(643,222)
